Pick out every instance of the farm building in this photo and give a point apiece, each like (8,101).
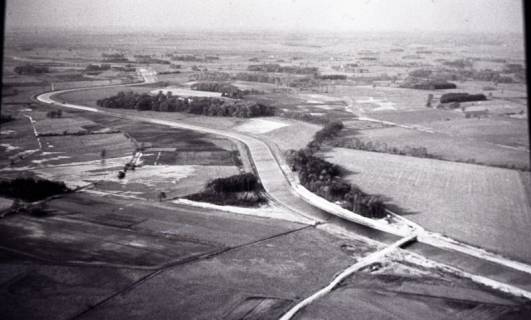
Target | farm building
(475,112)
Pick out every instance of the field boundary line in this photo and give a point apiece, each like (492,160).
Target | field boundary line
(363,262)
(443,242)
(493,284)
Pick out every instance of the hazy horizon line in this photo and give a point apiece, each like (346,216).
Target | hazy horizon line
(140,29)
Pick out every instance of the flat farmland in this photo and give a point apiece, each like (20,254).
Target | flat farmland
(189,147)
(62,125)
(178,162)
(175,180)
(370,99)
(144,182)
(497,130)
(411,117)
(294,136)
(73,148)
(444,196)
(481,148)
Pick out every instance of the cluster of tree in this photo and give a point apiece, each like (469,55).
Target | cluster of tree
(434,85)
(369,58)
(146,58)
(243,190)
(461,97)
(306,82)
(323,178)
(237,183)
(226,89)
(349,67)
(31,189)
(54,113)
(31,69)
(498,60)
(305,116)
(257,77)
(211,76)
(151,60)
(480,75)
(274,67)
(209,106)
(126,68)
(169,72)
(298,82)
(187,57)
(329,131)
(513,68)
(332,77)
(114,57)
(420,73)
(428,84)
(459,63)
(6,118)
(97,68)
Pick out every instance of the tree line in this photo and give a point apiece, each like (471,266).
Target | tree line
(226,89)
(324,178)
(95,67)
(209,106)
(332,77)
(31,189)
(274,67)
(461,97)
(31,69)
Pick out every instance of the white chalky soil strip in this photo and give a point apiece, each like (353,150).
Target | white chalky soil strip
(372,258)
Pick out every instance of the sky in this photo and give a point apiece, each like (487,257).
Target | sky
(491,16)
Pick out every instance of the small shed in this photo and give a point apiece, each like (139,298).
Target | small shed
(476,112)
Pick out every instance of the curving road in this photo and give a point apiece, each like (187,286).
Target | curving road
(268,169)
(282,187)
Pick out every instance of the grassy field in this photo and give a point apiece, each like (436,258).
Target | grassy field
(497,130)
(88,147)
(180,161)
(444,196)
(480,147)
(62,125)
(295,136)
